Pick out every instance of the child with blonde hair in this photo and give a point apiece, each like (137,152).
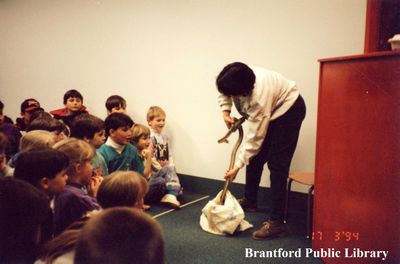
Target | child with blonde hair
(162,164)
(156,181)
(122,188)
(79,197)
(33,140)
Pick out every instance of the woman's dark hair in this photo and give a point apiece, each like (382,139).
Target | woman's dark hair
(23,208)
(34,165)
(86,125)
(236,79)
(117,120)
(74,94)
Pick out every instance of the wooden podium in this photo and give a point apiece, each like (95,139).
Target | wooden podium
(357,181)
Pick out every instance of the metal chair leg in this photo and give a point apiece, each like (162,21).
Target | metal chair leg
(289,186)
(310,191)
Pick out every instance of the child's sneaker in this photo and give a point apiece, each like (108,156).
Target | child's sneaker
(171,201)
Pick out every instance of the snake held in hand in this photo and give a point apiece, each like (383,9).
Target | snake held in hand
(237,125)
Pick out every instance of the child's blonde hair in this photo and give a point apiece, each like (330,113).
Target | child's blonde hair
(153,112)
(35,140)
(77,150)
(122,188)
(138,131)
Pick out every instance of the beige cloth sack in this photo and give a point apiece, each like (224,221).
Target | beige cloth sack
(223,219)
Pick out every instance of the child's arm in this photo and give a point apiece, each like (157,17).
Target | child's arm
(148,156)
(94,185)
(155,165)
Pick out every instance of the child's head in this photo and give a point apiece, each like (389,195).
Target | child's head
(141,136)
(28,107)
(80,155)
(44,121)
(118,128)
(89,128)
(35,140)
(136,237)
(23,209)
(45,169)
(115,104)
(236,79)
(156,118)
(122,188)
(73,100)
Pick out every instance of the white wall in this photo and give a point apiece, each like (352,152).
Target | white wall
(169,53)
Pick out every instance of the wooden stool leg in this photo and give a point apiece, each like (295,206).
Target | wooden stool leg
(289,186)
(310,191)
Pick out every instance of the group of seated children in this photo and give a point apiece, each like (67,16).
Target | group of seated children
(82,164)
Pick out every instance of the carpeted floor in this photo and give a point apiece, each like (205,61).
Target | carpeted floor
(186,242)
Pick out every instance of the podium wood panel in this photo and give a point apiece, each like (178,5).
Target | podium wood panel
(357,181)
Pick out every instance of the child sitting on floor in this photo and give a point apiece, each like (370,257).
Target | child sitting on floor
(46,170)
(162,155)
(23,209)
(162,181)
(79,196)
(120,188)
(118,153)
(91,129)
(73,102)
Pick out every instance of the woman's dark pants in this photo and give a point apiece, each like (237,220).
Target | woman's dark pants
(277,151)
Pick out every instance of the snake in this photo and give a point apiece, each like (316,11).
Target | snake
(237,125)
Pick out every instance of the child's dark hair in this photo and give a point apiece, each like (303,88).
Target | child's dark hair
(34,165)
(137,238)
(74,94)
(236,79)
(23,208)
(44,121)
(115,101)
(117,120)
(86,125)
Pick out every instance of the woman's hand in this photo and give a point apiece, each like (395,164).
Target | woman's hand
(227,118)
(231,174)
